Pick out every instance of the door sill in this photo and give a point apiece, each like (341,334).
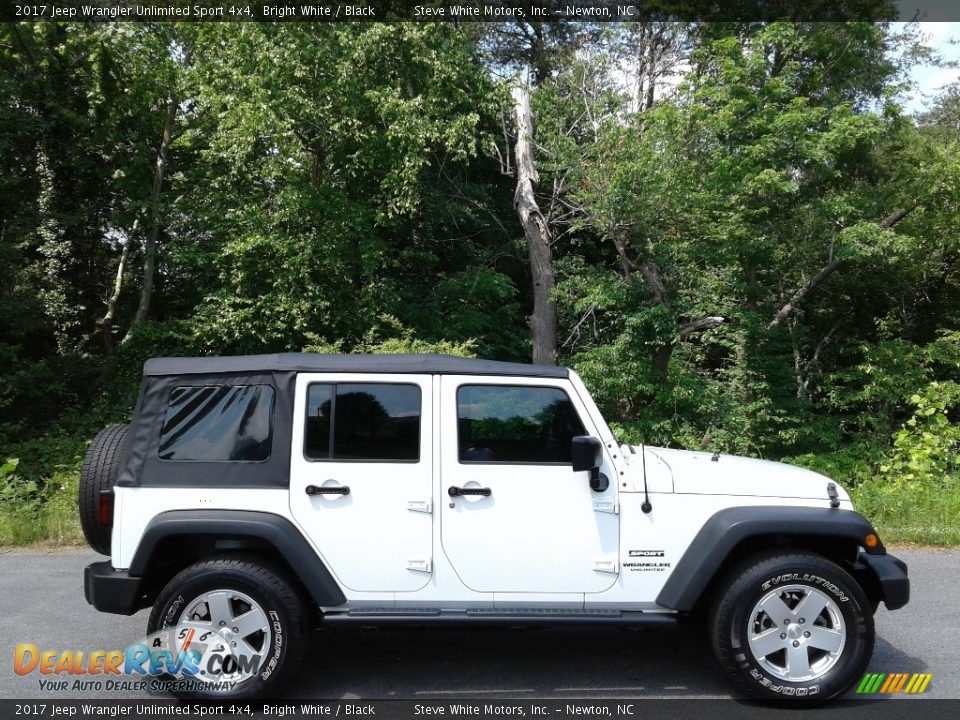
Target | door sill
(482,617)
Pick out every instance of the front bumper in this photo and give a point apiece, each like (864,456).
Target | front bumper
(888,577)
(112,591)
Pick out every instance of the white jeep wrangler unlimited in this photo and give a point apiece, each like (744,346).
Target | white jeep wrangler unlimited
(253,499)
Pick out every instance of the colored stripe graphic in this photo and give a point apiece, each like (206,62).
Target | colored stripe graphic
(867,679)
(894,683)
(889,681)
(912,683)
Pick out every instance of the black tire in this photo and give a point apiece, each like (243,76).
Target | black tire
(101,467)
(276,595)
(735,615)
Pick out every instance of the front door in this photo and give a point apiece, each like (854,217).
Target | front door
(361,476)
(515,517)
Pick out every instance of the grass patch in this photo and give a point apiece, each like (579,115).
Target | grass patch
(40,491)
(51,517)
(911,513)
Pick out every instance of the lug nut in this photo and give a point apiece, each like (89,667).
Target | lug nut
(796,643)
(234,644)
(807,634)
(236,630)
(222,623)
(786,622)
(783,636)
(802,620)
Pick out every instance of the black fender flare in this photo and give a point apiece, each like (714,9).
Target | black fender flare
(273,529)
(724,530)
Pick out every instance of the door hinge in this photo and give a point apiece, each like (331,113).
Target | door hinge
(606,566)
(607,506)
(420,506)
(420,565)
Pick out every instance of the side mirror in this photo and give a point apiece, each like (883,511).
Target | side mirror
(586,453)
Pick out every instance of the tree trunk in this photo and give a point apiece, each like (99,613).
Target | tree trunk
(543,321)
(150,244)
(105,324)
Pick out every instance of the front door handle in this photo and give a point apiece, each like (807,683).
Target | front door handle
(454,491)
(329,490)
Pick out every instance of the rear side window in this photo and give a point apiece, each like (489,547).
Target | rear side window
(363,421)
(515,424)
(218,423)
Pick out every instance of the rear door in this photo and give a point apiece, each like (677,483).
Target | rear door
(528,523)
(361,476)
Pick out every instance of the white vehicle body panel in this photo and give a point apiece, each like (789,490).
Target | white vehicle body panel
(376,539)
(542,529)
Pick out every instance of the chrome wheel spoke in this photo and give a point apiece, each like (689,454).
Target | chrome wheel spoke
(811,606)
(244,650)
(798,662)
(825,639)
(776,608)
(219,605)
(767,643)
(254,620)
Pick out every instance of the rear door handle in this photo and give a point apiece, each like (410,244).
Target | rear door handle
(329,490)
(454,491)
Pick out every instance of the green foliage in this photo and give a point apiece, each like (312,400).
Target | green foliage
(344,188)
(926,451)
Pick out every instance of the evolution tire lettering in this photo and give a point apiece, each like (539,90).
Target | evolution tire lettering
(170,619)
(806,577)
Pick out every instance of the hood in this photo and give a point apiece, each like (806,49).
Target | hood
(698,473)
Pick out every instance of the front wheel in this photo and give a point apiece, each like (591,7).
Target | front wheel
(792,627)
(240,626)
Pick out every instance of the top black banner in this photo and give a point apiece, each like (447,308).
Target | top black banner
(573,11)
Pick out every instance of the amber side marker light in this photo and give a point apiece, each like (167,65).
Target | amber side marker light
(871,540)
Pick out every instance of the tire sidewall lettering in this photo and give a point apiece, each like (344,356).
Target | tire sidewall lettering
(805,578)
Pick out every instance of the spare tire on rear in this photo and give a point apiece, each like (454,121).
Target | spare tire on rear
(99,472)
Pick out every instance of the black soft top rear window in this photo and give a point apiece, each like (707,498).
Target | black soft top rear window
(218,423)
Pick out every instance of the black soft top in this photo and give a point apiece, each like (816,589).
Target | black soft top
(308,362)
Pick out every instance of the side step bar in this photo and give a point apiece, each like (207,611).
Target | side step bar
(479,617)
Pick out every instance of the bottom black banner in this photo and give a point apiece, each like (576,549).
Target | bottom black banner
(895,709)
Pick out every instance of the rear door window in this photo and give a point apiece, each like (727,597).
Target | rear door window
(377,422)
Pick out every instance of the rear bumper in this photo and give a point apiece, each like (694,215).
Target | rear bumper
(112,591)
(889,575)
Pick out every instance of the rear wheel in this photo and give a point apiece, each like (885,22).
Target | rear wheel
(245,621)
(792,627)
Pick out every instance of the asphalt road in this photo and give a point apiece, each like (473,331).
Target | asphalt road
(41,601)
